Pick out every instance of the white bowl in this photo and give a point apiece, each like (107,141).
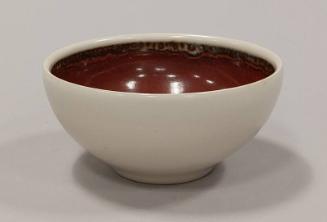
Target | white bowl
(163,138)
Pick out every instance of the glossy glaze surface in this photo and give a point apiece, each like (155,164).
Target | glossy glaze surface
(162,71)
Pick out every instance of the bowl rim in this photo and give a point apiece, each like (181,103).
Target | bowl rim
(235,44)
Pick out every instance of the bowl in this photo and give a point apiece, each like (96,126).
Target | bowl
(163,138)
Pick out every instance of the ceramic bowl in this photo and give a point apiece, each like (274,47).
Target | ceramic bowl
(163,138)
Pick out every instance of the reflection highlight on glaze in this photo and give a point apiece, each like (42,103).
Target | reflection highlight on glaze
(176,87)
(141,75)
(171,76)
(160,69)
(131,84)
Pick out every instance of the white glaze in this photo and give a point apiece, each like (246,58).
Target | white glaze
(163,138)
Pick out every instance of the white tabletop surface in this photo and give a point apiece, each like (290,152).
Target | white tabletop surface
(280,176)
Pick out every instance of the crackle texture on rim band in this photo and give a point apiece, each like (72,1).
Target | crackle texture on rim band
(192,49)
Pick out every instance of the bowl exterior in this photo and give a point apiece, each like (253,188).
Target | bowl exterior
(162,134)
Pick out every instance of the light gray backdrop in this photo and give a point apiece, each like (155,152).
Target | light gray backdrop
(280,176)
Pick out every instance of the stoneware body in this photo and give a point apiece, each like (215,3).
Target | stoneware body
(163,138)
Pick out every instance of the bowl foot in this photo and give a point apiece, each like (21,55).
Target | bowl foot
(164,179)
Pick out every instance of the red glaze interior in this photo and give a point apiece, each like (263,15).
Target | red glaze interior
(161,69)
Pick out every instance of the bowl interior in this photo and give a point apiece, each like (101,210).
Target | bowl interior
(171,67)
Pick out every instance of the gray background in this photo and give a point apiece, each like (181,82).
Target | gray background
(280,176)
